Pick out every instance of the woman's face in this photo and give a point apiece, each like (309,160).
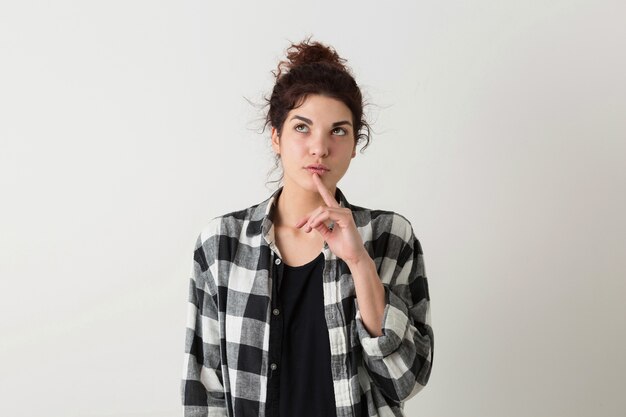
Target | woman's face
(319,132)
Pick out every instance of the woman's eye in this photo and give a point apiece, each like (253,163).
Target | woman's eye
(301,128)
(340,131)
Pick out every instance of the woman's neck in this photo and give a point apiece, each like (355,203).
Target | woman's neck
(294,203)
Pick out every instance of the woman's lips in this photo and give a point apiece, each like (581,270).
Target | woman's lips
(319,171)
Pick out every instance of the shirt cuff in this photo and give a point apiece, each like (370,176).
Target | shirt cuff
(394,326)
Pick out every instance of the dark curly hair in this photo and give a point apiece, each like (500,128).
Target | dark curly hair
(314,68)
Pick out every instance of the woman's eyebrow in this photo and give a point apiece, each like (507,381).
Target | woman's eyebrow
(343,122)
(304,119)
(309,121)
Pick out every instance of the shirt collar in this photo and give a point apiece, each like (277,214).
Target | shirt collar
(262,215)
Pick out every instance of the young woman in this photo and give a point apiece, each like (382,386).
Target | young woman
(305,304)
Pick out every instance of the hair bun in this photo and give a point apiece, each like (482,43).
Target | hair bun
(307,52)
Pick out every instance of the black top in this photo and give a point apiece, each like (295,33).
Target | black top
(306,383)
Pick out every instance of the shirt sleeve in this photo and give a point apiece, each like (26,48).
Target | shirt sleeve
(400,360)
(202,389)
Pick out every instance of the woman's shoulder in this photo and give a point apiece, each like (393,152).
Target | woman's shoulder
(382,221)
(221,232)
(232,224)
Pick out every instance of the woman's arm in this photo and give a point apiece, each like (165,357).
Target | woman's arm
(202,387)
(370,293)
(399,357)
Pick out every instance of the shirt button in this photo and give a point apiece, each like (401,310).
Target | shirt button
(273,366)
(277,261)
(276,312)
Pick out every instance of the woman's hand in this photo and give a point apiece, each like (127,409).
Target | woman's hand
(343,239)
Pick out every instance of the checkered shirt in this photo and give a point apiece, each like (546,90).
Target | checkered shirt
(226,364)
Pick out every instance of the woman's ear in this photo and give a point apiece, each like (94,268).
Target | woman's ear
(275,141)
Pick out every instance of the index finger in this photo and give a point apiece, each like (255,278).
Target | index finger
(329,199)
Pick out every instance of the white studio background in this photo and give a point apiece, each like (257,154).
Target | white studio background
(499,132)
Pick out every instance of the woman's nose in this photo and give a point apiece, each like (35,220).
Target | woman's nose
(319,144)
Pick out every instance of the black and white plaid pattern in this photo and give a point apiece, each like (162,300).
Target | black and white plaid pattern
(226,365)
